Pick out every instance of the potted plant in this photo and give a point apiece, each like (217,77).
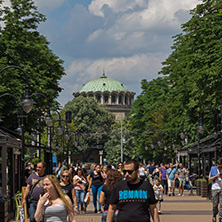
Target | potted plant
(4,208)
(203,187)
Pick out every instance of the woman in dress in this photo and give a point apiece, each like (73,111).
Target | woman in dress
(96,182)
(68,187)
(79,182)
(54,205)
(112,177)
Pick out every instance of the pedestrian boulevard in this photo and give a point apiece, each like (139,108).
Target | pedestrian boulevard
(175,209)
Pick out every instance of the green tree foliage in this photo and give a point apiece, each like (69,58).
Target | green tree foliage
(150,113)
(113,145)
(22,45)
(93,124)
(194,67)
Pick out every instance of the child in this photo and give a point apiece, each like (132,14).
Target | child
(158,190)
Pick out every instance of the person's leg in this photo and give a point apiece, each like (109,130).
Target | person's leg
(215,201)
(94,192)
(82,194)
(99,191)
(165,181)
(220,209)
(169,187)
(78,199)
(104,216)
(32,209)
(173,187)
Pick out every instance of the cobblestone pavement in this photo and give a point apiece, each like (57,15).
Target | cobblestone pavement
(175,209)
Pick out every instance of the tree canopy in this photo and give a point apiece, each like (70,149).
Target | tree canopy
(23,46)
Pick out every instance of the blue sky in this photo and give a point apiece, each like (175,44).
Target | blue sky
(127,38)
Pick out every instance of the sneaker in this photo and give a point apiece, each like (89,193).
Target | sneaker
(182,195)
(95,211)
(179,194)
(173,194)
(169,194)
(159,212)
(214,219)
(99,211)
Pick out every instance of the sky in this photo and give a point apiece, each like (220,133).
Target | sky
(128,39)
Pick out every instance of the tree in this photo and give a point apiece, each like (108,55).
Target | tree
(194,67)
(93,124)
(22,45)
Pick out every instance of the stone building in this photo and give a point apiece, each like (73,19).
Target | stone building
(113,94)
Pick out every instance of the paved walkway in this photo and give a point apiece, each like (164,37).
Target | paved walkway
(175,209)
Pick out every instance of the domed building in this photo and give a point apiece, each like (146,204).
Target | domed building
(117,98)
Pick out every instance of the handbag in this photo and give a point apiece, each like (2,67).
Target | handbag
(87,198)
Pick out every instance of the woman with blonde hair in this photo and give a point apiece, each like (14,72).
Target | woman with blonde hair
(54,205)
(68,187)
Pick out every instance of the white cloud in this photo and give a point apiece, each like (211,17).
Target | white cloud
(129,71)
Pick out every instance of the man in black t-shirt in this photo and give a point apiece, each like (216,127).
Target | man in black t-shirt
(135,198)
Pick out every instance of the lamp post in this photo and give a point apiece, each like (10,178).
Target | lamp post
(121,155)
(26,105)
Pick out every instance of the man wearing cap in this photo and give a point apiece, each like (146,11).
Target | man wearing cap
(216,178)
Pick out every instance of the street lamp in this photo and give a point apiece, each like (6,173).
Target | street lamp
(26,102)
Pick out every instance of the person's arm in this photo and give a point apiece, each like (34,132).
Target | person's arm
(74,200)
(167,176)
(111,212)
(75,181)
(211,178)
(160,175)
(154,212)
(27,190)
(40,207)
(90,183)
(71,217)
(102,198)
(103,175)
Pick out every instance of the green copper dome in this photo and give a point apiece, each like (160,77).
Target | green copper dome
(103,84)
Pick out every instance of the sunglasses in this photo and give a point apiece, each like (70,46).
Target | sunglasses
(65,176)
(128,171)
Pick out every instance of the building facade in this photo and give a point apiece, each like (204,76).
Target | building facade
(111,93)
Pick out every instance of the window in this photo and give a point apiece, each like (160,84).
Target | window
(106,98)
(98,99)
(120,99)
(113,99)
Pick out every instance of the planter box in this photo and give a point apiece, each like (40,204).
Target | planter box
(4,211)
(198,190)
(204,189)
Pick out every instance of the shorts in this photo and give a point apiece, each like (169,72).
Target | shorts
(182,181)
(171,183)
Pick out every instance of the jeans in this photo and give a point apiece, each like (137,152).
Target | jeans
(216,200)
(95,190)
(32,210)
(105,215)
(165,185)
(80,194)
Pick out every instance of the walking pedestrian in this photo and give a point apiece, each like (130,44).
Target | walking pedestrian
(68,187)
(35,185)
(171,177)
(181,173)
(79,182)
(158,190)
(163,178)
(135,198)
(96,182)
(54,205)
(113,176)
(216,189)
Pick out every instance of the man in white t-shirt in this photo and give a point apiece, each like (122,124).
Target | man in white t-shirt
(216,189)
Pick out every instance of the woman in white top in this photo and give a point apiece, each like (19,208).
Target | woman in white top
(54,205)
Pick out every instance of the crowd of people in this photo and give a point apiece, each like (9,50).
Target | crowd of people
(125,191)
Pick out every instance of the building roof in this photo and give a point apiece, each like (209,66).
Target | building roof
(103,84)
